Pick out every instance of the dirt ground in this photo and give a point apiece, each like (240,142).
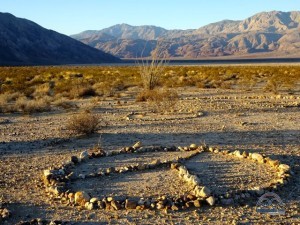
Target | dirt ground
(228,119)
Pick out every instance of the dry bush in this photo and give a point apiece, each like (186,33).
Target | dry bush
(29,106)
(64,103)
(83,123)
(163,100)
(152,70)
(81,92)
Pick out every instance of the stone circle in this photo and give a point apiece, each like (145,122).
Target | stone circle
(57,181)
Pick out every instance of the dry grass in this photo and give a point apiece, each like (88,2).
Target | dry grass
(83,123)
(28,106)
(160,100)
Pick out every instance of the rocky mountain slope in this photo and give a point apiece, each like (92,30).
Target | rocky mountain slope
(23,42)
(266,34)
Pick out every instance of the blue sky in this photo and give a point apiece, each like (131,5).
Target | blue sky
(74,16)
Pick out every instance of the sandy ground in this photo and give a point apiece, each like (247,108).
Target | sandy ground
(229,119)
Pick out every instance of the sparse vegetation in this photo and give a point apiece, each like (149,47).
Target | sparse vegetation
(160,100)
(83,123)
(32,84)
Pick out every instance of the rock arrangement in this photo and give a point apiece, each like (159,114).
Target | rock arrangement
(41,222)
(57,181)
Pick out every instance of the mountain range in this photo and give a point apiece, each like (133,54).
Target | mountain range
(266,34)
(23,42)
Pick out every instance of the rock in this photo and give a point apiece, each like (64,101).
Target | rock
(238,154)
(116,205)
(257,157)
(211,200)
(137,145)
(5,214)
(174,208)
(81,176)
(84,155)
(89,206)
(204,192)
(160,205)
(94,200)
(48,173)
(81,198)
(197,203)
(130,204)
(193,147)
(109,199)
(283,167)
(101,205)
(74,159)
(174,166)
(245,154)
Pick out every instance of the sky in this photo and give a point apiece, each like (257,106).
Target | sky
(74,16)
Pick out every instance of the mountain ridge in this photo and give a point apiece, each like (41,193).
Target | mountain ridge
(268,33)
(24,42)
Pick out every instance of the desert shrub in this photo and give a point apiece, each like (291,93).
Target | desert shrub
(29,106)
(163,100)
(64,103)
(81,92)
(42,90)
(83,123)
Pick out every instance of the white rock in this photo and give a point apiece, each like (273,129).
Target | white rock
(84,155)
(211,200)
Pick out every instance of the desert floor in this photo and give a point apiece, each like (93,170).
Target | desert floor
(228,119)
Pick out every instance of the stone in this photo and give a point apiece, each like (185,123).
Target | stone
(193,147)
(245,154)
(5,213)
(94,200)
(191,197)
(130,204)
(238,154)
(84,155)
(101,205)
(89,206)
(116,205)
(160,205)
(283,167)
(137,145)
(174,166)
(81,197)
(81,176)
(211,200)
(197,203)
(141,166)
(204,192)
(257,157)
(109,199)
(174,208)
(47,173)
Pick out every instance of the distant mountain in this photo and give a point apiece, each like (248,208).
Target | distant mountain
(266,34)
(23,42)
